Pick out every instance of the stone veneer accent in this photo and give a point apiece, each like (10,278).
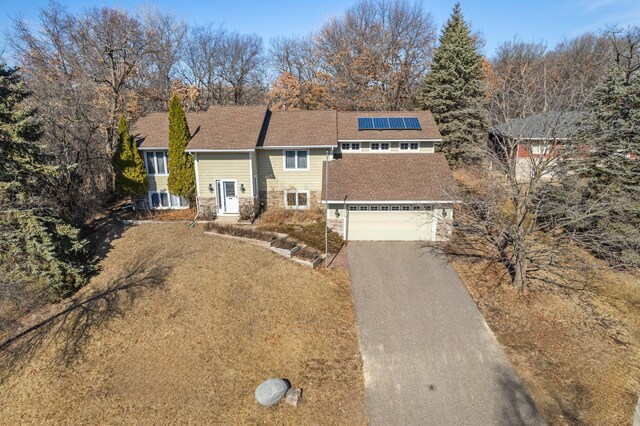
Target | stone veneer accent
(271,199)
(207,206)
(337,226)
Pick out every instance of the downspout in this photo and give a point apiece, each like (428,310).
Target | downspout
(326,212)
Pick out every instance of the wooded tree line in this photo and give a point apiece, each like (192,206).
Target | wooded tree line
(85,71)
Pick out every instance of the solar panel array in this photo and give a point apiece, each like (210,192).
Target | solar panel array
(391,123)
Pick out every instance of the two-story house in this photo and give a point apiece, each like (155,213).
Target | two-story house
(383,179)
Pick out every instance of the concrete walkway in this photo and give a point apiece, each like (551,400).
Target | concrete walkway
(429,357)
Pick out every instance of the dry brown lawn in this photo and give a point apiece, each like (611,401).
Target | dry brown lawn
(577,350)
(181,327)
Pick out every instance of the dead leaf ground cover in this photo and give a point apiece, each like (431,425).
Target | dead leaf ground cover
(181,327)
(306,226)
(577,350)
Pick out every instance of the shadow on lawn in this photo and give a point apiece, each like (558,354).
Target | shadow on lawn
(520,409)
(68,329)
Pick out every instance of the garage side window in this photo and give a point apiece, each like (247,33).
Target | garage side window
(296,199)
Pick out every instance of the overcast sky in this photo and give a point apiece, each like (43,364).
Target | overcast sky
(548,21)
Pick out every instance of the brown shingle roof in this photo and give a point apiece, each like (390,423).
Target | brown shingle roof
(220,127)
(300,128)
(348,126)
(391,177)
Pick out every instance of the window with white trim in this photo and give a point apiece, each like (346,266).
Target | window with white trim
(363,208)
(406,208)
(539,148)
(374,208)
(416,207)
(296,199)
(395,208)
(353,146)
(156,162)
(384,208)
(377,146)
(406,146)
(353,208)
(166,200)
(296,160)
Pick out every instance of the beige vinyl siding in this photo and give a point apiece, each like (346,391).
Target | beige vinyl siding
(158,183)
(223,165)
(273,177)
(425,148)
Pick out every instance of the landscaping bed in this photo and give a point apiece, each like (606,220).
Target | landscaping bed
(303,225)
(220,318)
(278,243)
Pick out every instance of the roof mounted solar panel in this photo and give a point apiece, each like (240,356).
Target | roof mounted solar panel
(412,123)
(380,123)
(365,123)
(396,123)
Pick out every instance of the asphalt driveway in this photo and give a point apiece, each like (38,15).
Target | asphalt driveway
(429,357)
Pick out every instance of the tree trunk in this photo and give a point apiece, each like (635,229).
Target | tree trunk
(520,264)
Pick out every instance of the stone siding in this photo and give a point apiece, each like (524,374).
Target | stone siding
(337,226)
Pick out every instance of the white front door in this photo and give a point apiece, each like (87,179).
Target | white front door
(228,197)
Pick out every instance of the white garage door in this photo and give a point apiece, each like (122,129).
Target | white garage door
(390,223)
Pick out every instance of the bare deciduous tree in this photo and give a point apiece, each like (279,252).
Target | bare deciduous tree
(377,54)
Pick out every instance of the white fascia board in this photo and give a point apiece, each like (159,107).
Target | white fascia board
(219,150)
(158,148)
(389,140)
(293,147)
(389,202)
(541,139)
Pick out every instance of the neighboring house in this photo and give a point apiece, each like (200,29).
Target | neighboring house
(385,180)
(536,138)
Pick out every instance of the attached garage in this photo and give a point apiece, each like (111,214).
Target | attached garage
(392,197)
(389,223)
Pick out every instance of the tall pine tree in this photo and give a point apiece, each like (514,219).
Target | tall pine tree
(38,250)
(182,177)
(605,154)
(454,91)
(131,175)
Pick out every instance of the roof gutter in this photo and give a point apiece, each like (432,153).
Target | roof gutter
(393,202)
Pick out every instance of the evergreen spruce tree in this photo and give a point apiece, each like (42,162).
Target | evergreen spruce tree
(454,91)
(182,177)
(130,173)
(605,156)
(38,250)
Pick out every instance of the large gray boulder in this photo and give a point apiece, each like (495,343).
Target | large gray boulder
(271,391)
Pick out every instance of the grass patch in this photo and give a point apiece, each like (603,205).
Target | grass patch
(576,349)
(227,317)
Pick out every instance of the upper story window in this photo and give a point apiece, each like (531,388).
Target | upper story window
(353,146)
(156,162)
(412,146)
(376,146)
(296,160)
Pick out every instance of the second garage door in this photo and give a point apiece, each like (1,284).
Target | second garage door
(390,223)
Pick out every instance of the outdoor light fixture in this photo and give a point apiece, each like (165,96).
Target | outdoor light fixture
(242,187)
(337,212)
(210,187)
